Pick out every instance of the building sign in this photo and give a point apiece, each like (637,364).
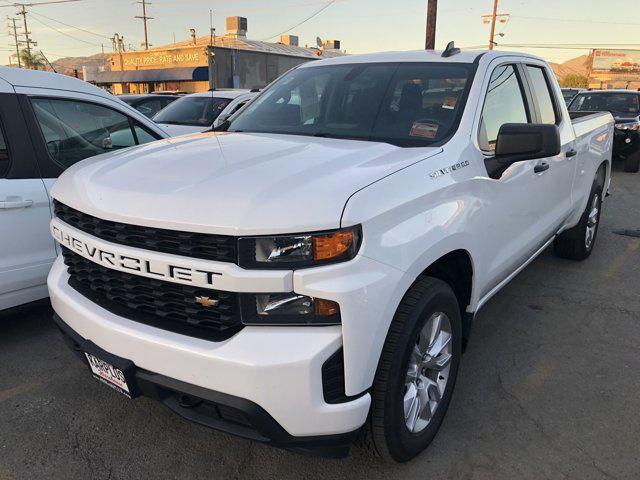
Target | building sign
(616,61)
(178,57)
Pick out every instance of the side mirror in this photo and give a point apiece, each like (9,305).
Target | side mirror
(518,142)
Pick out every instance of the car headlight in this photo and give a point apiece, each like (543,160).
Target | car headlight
(299,251)
(628,126)
(288,309)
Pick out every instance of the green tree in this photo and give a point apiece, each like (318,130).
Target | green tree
(574,80)
(34,61)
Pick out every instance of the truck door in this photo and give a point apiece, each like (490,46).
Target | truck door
(26,248)
(523,207)
(561,172)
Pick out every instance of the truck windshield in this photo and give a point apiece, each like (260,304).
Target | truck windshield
(617,102)
(405,104)
(197,111)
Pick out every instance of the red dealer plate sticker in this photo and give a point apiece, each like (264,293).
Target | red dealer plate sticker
(108,374)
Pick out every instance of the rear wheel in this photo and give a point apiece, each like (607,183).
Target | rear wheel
(632,163)
(577,243)
(416,373)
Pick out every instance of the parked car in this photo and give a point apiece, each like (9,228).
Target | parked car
(624,105)
(48,123)
(234,107)
(196,112)
(569,93)
(315,269)
(149,103)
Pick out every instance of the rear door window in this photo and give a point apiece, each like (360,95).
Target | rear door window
(542,93)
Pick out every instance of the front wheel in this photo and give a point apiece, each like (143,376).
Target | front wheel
(417,372)
(577,243)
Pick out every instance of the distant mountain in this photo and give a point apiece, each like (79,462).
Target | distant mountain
(578,65)
(66,65)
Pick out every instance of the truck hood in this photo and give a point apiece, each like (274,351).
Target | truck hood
(232,183)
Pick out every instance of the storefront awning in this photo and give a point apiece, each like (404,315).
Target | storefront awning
(155,75)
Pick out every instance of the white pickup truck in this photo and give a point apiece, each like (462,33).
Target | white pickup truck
(311,273)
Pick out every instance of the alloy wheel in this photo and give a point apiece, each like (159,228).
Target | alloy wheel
(427,372)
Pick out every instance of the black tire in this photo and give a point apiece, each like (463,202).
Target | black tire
(386,432)
(632,163)
(572,244)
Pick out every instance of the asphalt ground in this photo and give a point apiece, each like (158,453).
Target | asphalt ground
(548,388)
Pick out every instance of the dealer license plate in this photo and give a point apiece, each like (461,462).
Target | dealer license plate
(108,374)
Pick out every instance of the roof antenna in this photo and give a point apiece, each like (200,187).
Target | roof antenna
(451,50)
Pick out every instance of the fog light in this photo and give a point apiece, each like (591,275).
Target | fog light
(288,309)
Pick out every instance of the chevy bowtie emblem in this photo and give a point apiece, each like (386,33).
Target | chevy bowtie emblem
(207,302)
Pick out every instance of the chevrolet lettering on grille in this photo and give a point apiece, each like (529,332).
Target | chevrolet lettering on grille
(98,253)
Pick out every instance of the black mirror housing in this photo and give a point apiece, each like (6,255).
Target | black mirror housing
(518,142)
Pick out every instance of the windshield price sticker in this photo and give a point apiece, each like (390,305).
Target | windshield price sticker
(424,129)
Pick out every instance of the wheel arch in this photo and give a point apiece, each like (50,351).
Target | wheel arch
(457,270)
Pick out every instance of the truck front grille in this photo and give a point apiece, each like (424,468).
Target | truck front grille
(166,305)
(221,248)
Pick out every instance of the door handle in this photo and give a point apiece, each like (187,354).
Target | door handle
(571,153)
(541,167)
(14,202)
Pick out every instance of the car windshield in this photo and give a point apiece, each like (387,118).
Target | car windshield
(618,102)
(568,94)
(198,111)
(405,104)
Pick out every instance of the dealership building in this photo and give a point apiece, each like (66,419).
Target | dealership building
(229,61)
(615,69)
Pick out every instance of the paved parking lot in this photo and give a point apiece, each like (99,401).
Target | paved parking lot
(549,388)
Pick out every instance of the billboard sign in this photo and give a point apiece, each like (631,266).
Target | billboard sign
(616,61)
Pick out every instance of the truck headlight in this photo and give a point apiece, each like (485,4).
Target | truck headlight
(288,309)
(299,251)
(628,126)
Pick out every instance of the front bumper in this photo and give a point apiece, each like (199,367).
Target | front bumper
(221,411)
(278,369)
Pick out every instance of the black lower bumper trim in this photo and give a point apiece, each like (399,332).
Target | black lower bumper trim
(221,411)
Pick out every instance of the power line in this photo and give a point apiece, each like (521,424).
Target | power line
(66,34)
(573,20)
(71,26)
(314,14)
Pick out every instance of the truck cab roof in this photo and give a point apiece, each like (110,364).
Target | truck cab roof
(467,56)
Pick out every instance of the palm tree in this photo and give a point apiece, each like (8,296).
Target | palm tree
(34,61)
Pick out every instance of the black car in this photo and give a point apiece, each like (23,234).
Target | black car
(624,105)
(569,94)
(148,103)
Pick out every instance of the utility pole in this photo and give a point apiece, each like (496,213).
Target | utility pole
(26,32)
(493,23)
(492,19)
(17,43)
(144,20)
(432,12)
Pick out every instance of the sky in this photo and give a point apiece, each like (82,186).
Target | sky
(80,28)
